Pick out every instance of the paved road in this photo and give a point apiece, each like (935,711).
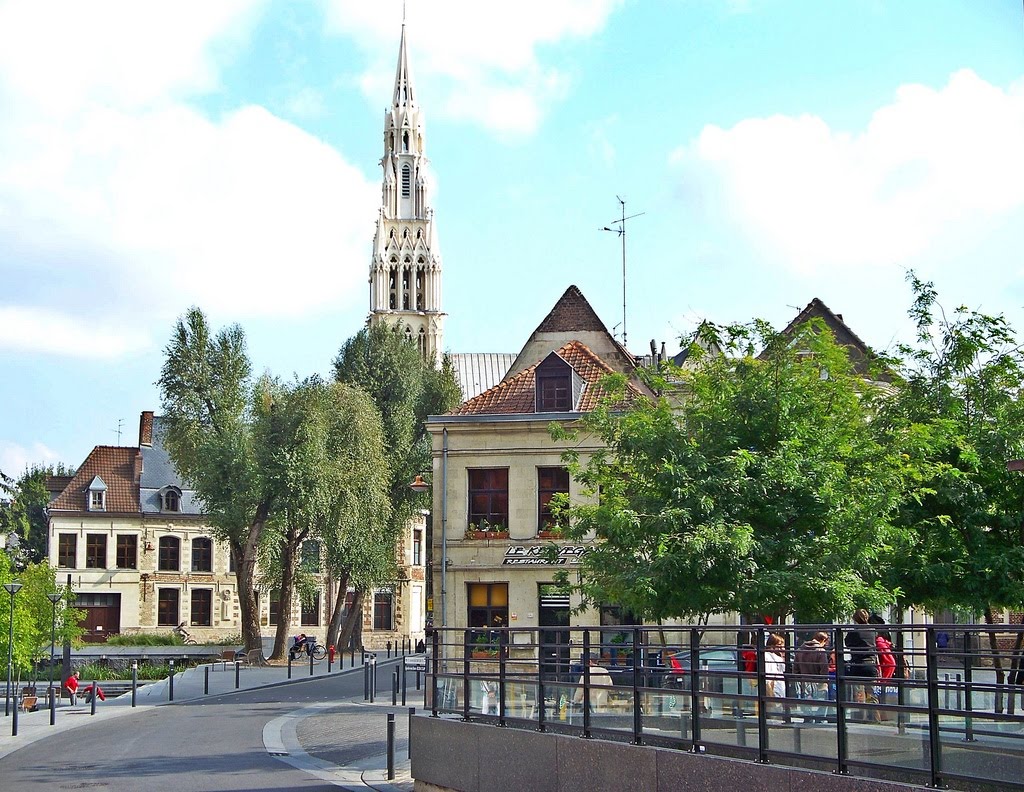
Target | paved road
(219,743)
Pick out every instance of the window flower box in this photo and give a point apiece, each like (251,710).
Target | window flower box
(486,534)
(546,533)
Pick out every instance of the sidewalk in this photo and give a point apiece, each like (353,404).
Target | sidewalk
(342,743)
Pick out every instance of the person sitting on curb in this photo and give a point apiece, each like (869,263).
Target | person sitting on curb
(87,693)
(71,685)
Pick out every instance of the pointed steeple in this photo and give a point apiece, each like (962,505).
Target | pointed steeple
(405,273)
(404,96)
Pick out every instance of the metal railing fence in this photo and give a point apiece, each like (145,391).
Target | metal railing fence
(954,699)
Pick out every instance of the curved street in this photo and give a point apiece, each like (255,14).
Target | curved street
(330,738)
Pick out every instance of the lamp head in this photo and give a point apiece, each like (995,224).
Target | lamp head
(418,484)
(54,597)
(13,588)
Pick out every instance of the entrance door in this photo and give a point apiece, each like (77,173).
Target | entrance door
(102,616)
(554,644)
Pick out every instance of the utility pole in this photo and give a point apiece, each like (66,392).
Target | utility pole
(619,227)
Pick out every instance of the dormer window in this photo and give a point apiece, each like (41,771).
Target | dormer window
(170,499)
(559,387)
(96,495)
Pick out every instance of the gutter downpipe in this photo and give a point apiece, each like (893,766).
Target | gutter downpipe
(444,527)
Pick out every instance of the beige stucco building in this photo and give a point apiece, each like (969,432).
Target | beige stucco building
(141,557)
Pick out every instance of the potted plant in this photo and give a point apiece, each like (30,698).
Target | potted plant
(549,531)
(482,648)
(486,530)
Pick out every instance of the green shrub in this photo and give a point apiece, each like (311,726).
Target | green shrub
(147,671)
(145,639)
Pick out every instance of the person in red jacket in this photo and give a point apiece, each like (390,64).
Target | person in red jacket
(72,687)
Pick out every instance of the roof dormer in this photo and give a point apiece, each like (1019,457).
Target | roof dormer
(558,386)
(96,495)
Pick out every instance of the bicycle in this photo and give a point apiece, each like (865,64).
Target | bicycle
(185,635)
(317,650)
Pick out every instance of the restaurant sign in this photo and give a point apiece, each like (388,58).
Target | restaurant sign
(540,555)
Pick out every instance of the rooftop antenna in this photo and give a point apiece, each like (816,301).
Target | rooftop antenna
(120,423)
(621,231)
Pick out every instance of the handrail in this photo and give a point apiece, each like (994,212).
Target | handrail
(688,687)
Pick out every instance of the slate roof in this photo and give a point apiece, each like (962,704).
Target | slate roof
(480,371)
(517,395)
(159,472)
(116,466)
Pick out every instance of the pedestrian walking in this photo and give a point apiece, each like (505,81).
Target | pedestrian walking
(811,666)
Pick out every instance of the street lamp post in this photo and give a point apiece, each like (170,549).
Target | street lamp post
(12,589)
(54,597)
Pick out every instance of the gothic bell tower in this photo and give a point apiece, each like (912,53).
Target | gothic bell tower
(405,274)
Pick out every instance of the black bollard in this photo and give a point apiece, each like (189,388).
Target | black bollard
(366,683)
(330,660)
(412,711)
(238,670)
(14,719)
(403,683)
(170,681)
(135,682)
(373,679)
(351,657)
(311,664)
(53,707)
(93,697)
(389,650)
(394,688)
(289,665)
(206,680)
(391,747)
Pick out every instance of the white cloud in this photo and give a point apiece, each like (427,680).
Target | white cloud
(42,330)
(126,203)
(15,459)
(931,163)
(497,79)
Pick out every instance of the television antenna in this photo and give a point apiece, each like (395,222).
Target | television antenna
(120,424)
(618,226)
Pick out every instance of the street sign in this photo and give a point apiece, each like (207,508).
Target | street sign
(416,662)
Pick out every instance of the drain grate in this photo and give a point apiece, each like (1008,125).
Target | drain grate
(278,753)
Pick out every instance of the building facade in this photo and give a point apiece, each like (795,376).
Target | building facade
(142,557)
(496,469)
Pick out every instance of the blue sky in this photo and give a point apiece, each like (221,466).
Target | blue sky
(157,156)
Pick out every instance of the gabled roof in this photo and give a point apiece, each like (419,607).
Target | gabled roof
(571,313)
(116,466)
(573,318)
(517,395)
(860,353)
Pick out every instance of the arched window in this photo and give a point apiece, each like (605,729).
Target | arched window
(406,181)
(169,554)
(171,500)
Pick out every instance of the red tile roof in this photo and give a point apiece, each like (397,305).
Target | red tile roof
(517,395)
(116,466)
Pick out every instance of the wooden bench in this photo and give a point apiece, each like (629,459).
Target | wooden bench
(28,703)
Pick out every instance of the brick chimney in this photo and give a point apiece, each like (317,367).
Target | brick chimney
(146,428)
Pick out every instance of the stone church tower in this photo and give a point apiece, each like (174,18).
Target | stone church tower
(405,274)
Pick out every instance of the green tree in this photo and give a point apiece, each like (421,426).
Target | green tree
(325,458)
(406,389)
(23,504)
(958,416)
(213,410)
(762,488)
(33,614)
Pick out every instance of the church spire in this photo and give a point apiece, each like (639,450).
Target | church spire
(405,274)
(404,96)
